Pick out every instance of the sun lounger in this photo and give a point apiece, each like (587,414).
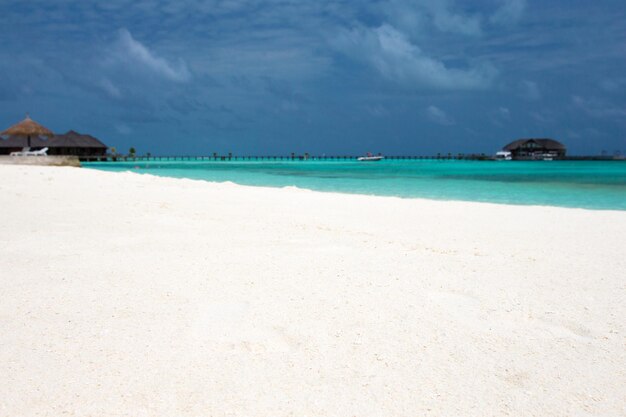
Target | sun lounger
(20,153)
(28,152)
(41,152)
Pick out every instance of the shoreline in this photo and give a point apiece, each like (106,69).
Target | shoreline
(134,295)
(295,187)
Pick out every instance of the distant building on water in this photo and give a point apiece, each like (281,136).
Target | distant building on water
(536,149)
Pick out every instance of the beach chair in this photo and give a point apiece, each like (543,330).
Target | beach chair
(28,152)
(20,153)
(41,152)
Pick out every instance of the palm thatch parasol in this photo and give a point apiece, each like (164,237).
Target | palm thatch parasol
(27,128)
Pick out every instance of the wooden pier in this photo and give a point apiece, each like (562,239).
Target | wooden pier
(293,157)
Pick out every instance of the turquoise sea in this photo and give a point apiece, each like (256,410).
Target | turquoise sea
(582,184)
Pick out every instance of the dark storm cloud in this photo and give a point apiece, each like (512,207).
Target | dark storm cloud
(276,76)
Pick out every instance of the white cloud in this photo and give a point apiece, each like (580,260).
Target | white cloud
(578,101)
(110,88)
(415,16)
(500,117)
(613,85)
(542,117)
(436,115)
(509,12)
(530,90)
(123,129)
(504,113)
(377,110)
(447,21)
(128,49)
(573,134)
(598,108)
(391,53)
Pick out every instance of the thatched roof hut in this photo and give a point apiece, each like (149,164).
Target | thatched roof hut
(534,148)
(27,128)
(73,139)
(544,143)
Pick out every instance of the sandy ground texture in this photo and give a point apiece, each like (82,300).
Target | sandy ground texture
(132,295)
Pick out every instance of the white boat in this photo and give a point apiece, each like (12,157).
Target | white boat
(370,157)
(547,157)
(503,156)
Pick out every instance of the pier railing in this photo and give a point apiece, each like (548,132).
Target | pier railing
(140,158)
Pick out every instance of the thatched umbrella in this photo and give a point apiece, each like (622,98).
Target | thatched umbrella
(27,128)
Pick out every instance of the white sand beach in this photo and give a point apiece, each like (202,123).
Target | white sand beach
(131,295)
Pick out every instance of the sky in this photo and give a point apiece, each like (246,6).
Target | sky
(266,77)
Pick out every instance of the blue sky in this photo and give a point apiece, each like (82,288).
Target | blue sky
(325,76)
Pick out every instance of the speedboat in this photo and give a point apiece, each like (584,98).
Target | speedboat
(503,156)
(370,157)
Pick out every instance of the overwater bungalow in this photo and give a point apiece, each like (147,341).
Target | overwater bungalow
(536,149)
